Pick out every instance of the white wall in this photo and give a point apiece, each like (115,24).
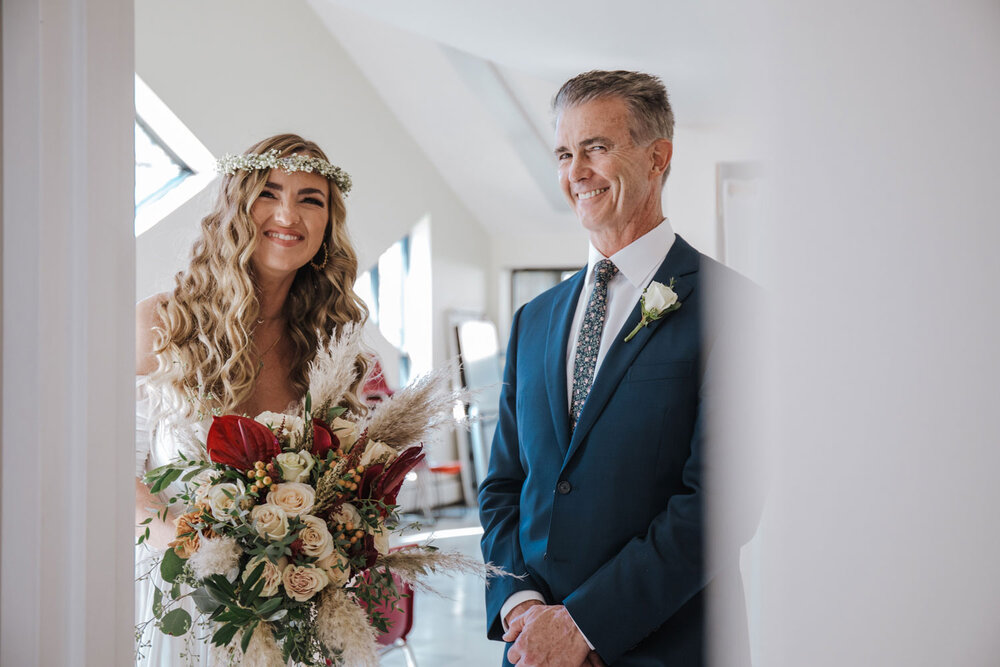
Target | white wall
(689,199)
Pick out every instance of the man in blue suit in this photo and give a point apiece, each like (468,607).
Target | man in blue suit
(596,492)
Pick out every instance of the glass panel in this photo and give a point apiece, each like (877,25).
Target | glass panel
(156,169)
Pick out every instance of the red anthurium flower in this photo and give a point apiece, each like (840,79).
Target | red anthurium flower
(369,481)
(240,442)
(324,439)
(395,473)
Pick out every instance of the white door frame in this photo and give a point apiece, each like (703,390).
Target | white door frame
(66,588)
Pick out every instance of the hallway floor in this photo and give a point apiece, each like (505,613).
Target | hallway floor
(449,630)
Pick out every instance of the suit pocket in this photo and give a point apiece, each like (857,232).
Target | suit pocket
(668,369)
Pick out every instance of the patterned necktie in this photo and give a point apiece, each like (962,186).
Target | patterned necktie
(588,343)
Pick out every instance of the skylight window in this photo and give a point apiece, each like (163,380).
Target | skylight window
(171,164)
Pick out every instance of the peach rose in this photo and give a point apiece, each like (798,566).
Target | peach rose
(269,521)
(271,574)
(316,538)
(347,514)
(303,581)
(336,568)
(294,498)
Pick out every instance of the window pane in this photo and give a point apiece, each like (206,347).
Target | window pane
(156,170)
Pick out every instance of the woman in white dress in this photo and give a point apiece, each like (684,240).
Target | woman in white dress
(270,279)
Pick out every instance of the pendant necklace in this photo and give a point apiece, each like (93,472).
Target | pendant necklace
(260,357)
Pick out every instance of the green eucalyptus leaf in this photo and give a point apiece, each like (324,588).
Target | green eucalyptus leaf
(176,622)
(165,480)
(189,475)
(171,566)
(157,602)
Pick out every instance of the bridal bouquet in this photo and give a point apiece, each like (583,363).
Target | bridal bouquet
(283,546)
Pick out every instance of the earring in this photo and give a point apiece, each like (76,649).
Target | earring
(326,258)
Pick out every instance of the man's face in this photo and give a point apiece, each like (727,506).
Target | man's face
(607,179)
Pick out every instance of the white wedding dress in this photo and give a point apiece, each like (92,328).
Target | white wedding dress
(156,444)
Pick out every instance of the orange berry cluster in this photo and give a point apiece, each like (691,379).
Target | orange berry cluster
(261,476)
(349,481)
(348,532)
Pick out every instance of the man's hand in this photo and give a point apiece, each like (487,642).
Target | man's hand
(518,610)
(546,636)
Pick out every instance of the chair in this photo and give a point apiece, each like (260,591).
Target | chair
(400,622)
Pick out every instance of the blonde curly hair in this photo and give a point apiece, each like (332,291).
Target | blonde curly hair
(204,347)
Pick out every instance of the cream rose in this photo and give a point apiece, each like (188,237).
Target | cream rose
(269,521)
(316,539)
(346,431)
(295,466)
(283,426)
(271,574)
(222,498)
(202,483)
(381,537)
(336,568)
(347,514)
(303,581)
(293,497)
(378,452)
(658,297)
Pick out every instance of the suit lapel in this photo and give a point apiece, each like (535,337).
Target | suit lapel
(560,320)
(681,263)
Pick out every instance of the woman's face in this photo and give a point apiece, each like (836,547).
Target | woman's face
(291,215)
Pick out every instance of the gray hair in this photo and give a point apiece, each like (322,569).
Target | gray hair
(643,94)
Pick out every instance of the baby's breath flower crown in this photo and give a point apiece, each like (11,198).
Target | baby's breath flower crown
(230,164)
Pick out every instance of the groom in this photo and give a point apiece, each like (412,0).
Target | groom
(596,491)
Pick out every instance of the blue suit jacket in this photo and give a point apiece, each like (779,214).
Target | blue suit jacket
(609,519)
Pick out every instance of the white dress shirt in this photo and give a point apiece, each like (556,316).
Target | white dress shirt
(637,264)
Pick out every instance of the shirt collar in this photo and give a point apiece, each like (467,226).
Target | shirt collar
(638,260)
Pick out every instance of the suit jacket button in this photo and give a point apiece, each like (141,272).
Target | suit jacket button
(564,487)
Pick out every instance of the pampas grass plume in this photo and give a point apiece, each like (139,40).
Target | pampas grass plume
(416,411)
(216,555)
(412,564)
(341,624)
(333,371)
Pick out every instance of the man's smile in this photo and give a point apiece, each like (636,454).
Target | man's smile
(591,194)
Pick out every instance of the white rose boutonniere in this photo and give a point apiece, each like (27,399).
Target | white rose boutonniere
(657,300)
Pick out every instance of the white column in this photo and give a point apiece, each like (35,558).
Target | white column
(68,343)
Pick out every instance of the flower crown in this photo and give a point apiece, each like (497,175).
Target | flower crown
(230,164)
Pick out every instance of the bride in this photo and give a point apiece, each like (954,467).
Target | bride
(270,280)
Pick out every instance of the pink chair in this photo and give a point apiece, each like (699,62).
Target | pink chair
(400,623)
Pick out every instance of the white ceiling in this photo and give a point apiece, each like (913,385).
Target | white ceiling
(472,82)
